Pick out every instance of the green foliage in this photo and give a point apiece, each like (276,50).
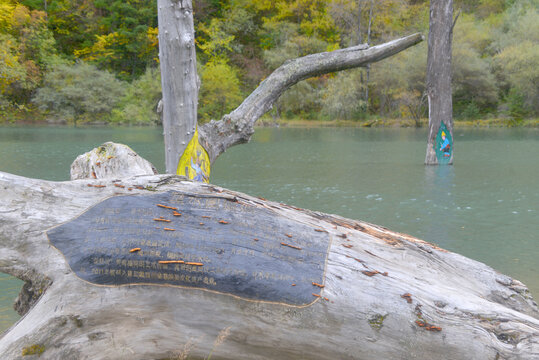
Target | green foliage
(343,96)
(220,90)
(516,63)
(239,43)
(116,35)
(79,92)
(124,44)
(27,48)
(73,22)
(467,110)
(398,84)
(474,86)
(519,68)
(301,100)
(139,104)
(516,106)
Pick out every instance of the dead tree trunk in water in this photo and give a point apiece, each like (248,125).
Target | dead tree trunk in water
(440,138)
(178,77)
(156,267)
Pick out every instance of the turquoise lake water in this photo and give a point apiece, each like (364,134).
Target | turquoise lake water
(485,207)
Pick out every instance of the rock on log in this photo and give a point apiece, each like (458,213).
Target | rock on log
(155,267)
(109,160)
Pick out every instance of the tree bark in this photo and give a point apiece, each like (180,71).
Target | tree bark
(367,75)
(178,77)
(386,295)
(359,37)
(439,84)
(238,126)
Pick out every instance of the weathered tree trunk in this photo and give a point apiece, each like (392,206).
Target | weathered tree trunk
(238,277)
(440,138)
(238,126)
(368,72)
(178,77)
(359,37)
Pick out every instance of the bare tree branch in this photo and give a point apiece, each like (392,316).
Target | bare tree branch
(237,127)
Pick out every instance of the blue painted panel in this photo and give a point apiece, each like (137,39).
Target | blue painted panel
(443,145)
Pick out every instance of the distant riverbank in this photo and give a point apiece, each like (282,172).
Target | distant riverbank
(303,123)
(400,123)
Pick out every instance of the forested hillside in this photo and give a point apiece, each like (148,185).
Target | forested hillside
(97,60)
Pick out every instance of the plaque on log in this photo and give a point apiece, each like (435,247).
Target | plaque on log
(204,242)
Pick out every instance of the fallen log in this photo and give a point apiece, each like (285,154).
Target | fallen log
(158,267)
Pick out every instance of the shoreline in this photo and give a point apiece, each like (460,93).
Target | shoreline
(295,123)
(400,123)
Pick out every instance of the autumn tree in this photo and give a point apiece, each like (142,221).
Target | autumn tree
(27,51)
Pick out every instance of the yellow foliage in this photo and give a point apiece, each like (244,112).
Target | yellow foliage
(217,43)
(10,68)
(153,36)
(333,46)
(20,16)
(102,48)
(6,12)
(153,42)
(220,90)
(262,5)
(311,15)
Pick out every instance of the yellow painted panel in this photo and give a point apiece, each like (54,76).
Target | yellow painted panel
(194,162)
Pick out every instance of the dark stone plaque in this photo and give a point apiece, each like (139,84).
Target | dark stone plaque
(205,242)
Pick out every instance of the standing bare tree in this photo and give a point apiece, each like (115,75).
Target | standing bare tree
(178,77)
(368,65)
(190,150)
(440,140)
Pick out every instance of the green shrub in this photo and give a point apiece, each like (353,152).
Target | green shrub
(139,104)
(516,104)
(220,90)
(79,92)
(343,96)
